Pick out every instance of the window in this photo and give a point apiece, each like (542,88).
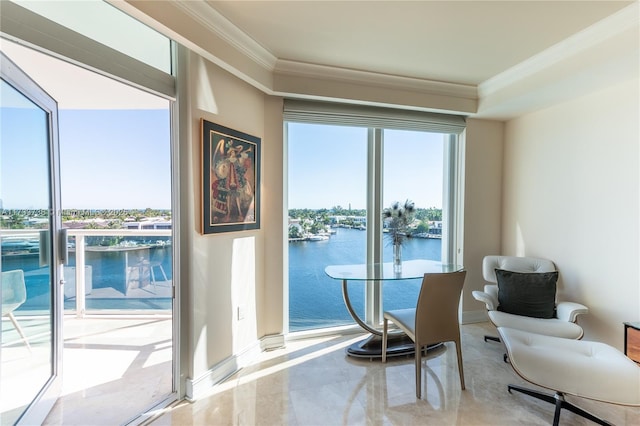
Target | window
(344,167)
(327,209)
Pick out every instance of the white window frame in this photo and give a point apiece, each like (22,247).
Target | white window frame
(377,120)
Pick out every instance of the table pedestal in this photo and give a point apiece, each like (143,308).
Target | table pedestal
(397,345)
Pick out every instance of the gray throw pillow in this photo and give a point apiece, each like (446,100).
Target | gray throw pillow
(528,294)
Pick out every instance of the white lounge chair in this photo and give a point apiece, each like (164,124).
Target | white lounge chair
(563,324)
(591,370)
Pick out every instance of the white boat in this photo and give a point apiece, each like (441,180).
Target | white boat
(317,237)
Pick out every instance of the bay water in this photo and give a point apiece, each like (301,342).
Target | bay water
(316,301)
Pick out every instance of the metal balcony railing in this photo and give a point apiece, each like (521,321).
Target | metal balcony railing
(125,271)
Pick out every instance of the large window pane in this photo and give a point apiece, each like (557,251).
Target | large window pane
(329,168)
(413,170)
(327,210)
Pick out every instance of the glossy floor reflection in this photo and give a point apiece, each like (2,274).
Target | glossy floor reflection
(114,369)
(313,382)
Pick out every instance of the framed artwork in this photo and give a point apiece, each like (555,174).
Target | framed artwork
(230,179)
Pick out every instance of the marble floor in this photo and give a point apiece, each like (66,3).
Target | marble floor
(313,382)
(114,369)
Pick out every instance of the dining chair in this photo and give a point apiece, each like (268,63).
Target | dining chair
(434,319)
(14,294)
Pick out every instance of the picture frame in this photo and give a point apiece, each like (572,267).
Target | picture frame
(230,179)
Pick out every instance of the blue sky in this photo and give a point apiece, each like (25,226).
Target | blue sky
(120,159)
(115,159)
(109,159)
(327,167)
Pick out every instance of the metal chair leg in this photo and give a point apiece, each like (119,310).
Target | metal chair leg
(19,329)
(560,403)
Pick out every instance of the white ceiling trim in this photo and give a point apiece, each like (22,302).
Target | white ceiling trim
(599,32)
(226,45)
(211,19)
(329,73)
(226,30)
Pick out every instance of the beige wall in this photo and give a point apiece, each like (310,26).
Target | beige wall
(227,271)
(568,191)
(571,189)
(247,269)
(482,207)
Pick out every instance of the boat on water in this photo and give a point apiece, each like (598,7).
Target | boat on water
(11,245)
(318,237)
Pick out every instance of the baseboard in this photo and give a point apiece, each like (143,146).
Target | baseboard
(470,317)
(196,388)
(274,341)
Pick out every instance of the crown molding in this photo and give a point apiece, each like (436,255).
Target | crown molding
(213,21)
(619,22)
(367,78)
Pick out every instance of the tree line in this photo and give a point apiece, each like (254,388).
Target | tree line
(315,220)
(19,218)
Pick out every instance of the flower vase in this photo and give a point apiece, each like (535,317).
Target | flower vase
(397,258)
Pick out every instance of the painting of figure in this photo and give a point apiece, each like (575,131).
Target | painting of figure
(230,179)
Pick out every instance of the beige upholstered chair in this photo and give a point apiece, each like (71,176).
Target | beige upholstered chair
(434,320)
(563,324)
(14,294)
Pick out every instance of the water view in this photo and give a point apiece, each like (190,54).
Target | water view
(129,268)
(118,277)
(315,300)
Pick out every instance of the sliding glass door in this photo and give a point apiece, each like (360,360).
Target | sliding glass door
(31,347)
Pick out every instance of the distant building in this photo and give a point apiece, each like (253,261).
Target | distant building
(148,223)
(336,220)
(435,227)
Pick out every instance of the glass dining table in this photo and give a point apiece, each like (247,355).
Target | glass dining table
(398,343)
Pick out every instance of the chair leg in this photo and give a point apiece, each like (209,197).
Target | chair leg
(492,338)
(163,274)
(418,359)
(19,329)
(560,403)
(159,266)
(385,327)
(460,369)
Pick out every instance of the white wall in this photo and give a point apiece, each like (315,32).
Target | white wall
(571,191)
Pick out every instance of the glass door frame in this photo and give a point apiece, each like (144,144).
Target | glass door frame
(20,24)
(46,398)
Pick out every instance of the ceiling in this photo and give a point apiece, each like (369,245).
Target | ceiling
(504,58)
(465,42)
(489,59)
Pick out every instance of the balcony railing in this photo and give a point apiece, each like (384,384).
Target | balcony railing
(126,271)
(130,270)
